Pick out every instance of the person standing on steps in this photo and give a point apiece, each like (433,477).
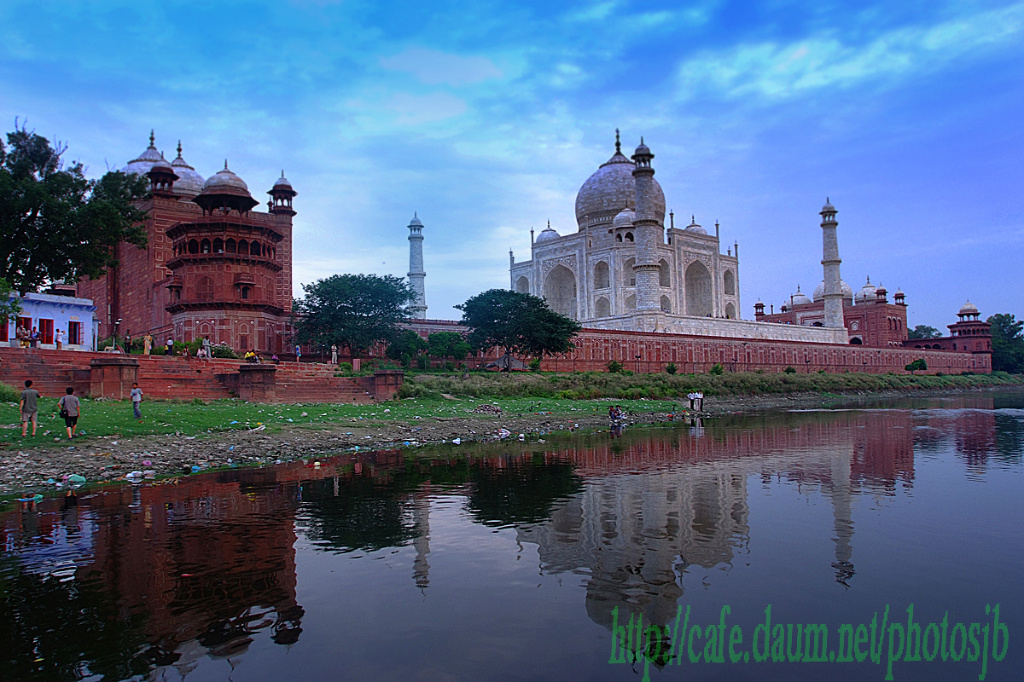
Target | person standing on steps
(136,396)
(70,409)
(29,408)
(298,353)
(334,354)
(147,344)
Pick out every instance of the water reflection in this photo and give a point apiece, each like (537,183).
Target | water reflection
(155,580)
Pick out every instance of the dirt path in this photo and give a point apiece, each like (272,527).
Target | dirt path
(30,470)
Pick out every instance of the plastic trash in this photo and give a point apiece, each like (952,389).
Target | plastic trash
(76,480)
(147,463)
(195,468)
(457,441)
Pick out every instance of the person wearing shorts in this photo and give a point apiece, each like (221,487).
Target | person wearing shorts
(70,410)
(29,408)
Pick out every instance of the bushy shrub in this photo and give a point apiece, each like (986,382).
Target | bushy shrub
(534,365)
(790,370)
(614,366)
(9,394)
(717,369)
(221,350)
(671,368)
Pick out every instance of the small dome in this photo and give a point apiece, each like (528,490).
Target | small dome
(642,150)
(225,180)
(844,288)
(145,160)
(694,228)
(868,292)
(225,190)
(624,218)
(968,309)
(189,183)
(547,235)
(800,298)
(899,292)
(828,207)
(415,218)
(163,165)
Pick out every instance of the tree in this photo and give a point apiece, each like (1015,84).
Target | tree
(1007,343)
(9,307)
(406,346)
(916,365)
(446,345)
(522,324)
(55,224)
(354,311)
(923,331)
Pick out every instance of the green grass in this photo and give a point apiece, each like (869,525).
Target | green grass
(620,386)
(112,418)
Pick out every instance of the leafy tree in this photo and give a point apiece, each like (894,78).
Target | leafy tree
(353,311)
(522,324)
(1007,343)
(9,307)
(55,224)
(406,346)
(916,365)
(445,345)
(923,331)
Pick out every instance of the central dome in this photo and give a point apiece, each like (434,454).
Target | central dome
(611,188)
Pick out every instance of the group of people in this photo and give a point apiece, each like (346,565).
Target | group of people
(696,400)
(68,407)
(615,413)
(31,338)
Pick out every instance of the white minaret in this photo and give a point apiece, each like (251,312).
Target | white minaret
(416,273)
(830,262)
(648,232)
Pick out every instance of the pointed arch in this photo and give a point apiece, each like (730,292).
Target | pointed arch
(601,275)
(698,290)
(560,291)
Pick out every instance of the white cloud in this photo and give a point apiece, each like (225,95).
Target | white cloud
(433,67)
(773,70)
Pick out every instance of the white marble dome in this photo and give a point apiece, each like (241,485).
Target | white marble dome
(624,218)
(800,298)
(225,180)
(547,235)
(146,160)
(844,288)
(867,293)
(610,188)
(189,182)
(968,309)
(694,228)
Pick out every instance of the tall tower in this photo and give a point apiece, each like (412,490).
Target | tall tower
(416,273)
(830,262)
(648,233)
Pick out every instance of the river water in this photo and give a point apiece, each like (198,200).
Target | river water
(838,544)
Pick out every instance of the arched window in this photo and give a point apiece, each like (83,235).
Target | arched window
(666,304)
(602,308)
(729,283)
(523,285)
(193,246)
(243,247)
(204,289)
(245,293)
(629,236)
(205,246)
(231,246)
(628,276)
(218,245)
(618,237)
(664,274)
(601,280)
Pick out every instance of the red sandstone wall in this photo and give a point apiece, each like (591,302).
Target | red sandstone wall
(694,354)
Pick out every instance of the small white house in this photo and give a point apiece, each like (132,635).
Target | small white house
(50,313)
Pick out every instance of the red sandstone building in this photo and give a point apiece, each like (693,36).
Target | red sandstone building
(212,268)
(869,317)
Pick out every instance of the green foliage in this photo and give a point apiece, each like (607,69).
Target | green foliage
(405,346)
(717,369)
(9,307)
(614,366)
(353,311)
(1007,343)
(222,350)
(522,324)
(534,365)
(916,365)
(923,331)
(790,370)
(55,224)
(671,368)
(448,345)
(9,394)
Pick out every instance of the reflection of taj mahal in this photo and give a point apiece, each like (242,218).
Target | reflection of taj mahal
(622,269)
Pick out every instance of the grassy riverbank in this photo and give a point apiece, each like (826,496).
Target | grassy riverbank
(622,386)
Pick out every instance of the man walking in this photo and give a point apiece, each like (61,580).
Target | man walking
(29,406)
(70,408)
(136,396)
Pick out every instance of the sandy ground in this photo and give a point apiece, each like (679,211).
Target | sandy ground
(31,470)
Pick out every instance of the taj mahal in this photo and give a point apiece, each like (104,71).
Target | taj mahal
(623,270)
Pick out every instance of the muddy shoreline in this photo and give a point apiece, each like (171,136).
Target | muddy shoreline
(31,470)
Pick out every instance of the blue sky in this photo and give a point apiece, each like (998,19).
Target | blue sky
(486,117)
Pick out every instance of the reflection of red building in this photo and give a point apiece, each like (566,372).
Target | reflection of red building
(212,267)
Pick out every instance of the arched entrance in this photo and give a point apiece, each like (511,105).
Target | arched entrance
(698,290)
(560,291)
(523,285)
